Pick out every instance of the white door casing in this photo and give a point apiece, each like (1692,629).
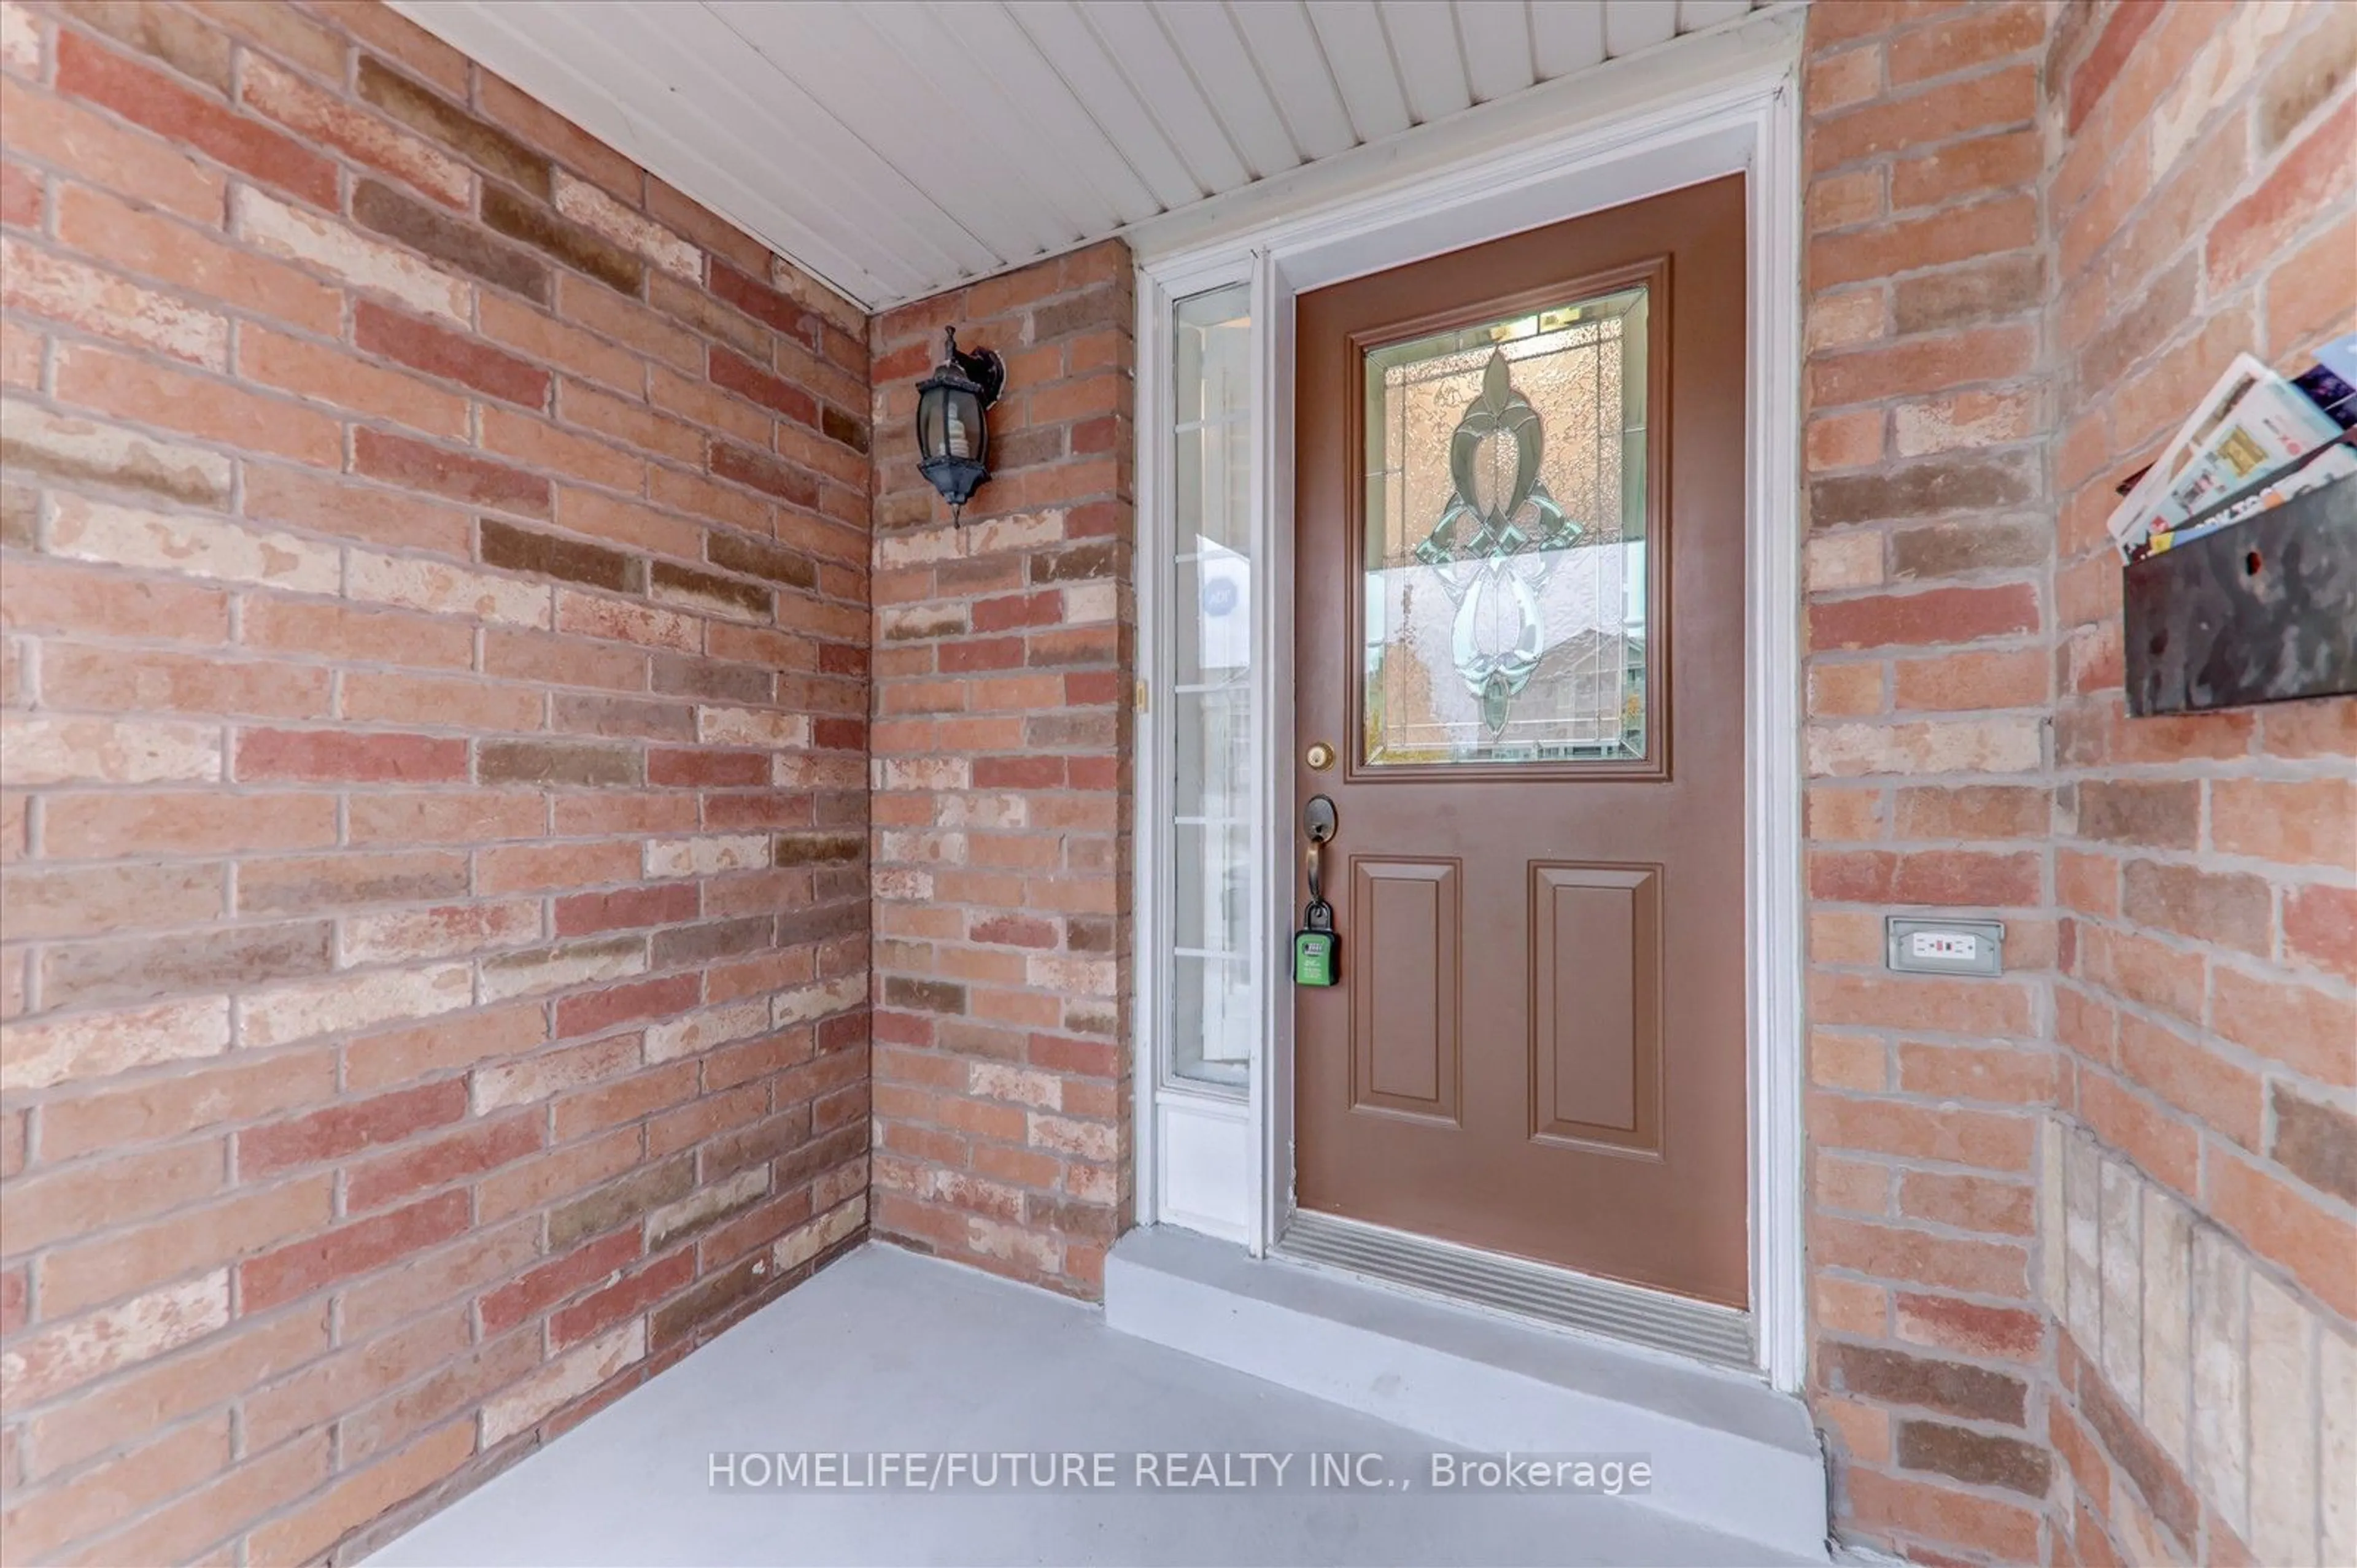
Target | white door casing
(1727,104)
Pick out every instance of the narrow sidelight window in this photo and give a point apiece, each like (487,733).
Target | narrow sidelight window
(1214,964)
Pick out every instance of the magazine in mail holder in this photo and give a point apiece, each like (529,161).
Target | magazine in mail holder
(2261,611)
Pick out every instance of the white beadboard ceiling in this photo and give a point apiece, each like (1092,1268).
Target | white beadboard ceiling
(899,147)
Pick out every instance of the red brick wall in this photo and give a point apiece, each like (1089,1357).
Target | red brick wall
(2067,1224)
(1928,571)
(435,686)
(1004,660)
(2203,200)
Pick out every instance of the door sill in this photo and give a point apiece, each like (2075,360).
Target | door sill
(1518,1288)
(1728,1452)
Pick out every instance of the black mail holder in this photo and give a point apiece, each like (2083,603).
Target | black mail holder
(2261,612)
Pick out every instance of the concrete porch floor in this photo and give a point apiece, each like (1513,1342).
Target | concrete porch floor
(889,1351)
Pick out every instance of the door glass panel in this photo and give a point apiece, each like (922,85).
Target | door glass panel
(1214,878)
(1505,567)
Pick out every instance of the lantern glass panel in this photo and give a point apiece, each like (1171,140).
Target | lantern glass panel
(962,414)
(931,404)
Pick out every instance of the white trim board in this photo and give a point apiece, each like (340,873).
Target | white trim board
(1696,114)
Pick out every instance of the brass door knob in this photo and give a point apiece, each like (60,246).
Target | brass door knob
(1320,757)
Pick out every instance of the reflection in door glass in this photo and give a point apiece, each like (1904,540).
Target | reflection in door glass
(1506,569)
(1213,1019)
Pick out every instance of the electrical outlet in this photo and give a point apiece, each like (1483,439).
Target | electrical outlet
(1920,946)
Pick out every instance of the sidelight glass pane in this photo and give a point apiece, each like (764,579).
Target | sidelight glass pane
(1213,966)
(1211,1002)
(1505,567)
(1214,478)
(1212,611)
(1214,902)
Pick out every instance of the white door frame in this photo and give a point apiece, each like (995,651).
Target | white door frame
(1720,104)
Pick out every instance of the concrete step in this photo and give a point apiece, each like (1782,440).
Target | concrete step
(1728,1451)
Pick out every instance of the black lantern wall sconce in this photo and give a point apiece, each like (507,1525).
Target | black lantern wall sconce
(952,437)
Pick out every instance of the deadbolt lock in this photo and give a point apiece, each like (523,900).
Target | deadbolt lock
(1320,757)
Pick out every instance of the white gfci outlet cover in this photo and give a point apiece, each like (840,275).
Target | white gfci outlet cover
(1930,945)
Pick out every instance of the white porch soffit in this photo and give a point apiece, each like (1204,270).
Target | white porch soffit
(901,148)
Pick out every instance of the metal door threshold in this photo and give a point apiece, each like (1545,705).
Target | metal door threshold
(1699,1330)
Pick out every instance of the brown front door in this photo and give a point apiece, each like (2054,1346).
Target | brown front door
(1520,628)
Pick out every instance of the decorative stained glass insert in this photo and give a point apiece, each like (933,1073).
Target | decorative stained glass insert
(1506,567)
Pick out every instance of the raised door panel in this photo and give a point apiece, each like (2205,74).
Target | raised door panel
(1405,1045)
(1596,1006)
